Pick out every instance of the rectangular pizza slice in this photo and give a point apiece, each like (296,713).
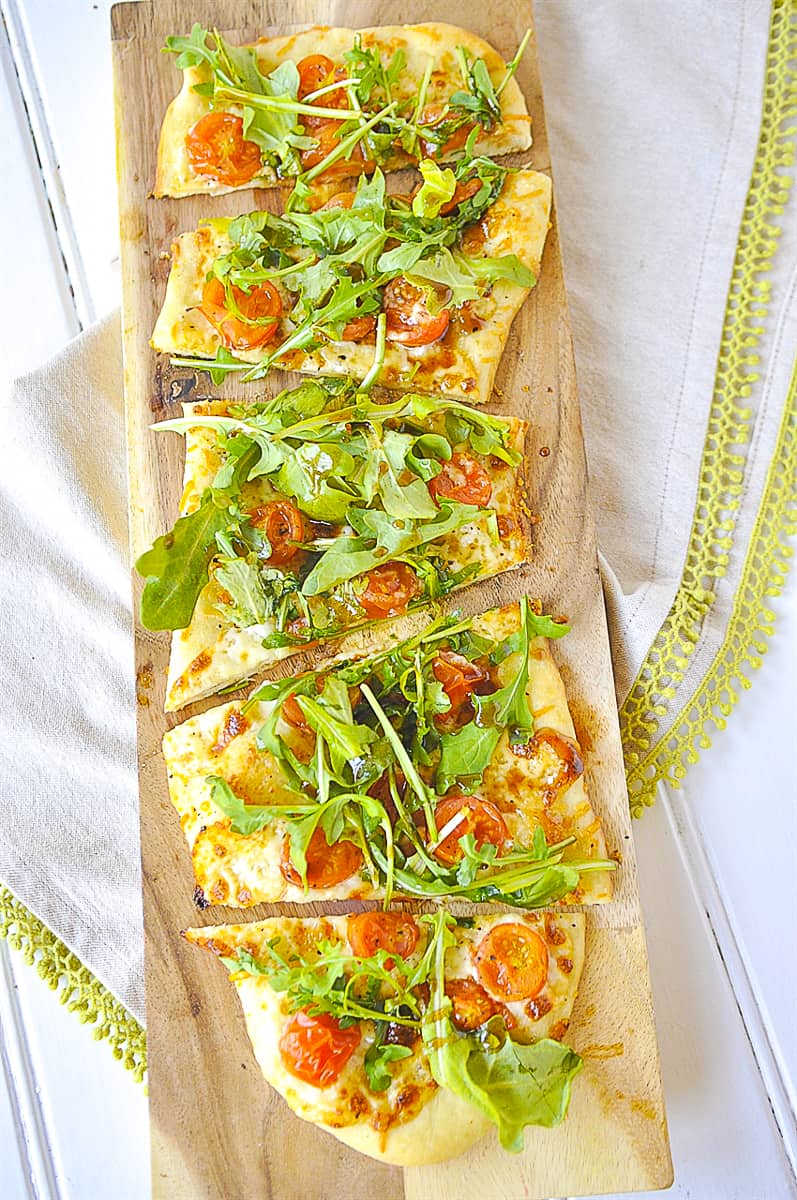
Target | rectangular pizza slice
(445,766)
(333,102)
(322,511)
(408,1037)
(420,288)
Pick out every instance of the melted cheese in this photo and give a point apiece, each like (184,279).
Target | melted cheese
(175,176)
(413,1121)
(211,653)
(463,364)
(240,871)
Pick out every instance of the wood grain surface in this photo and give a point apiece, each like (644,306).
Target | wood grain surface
(218,1131)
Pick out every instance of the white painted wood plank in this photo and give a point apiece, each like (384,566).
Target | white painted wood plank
(94,1111)
(64,55)
(36,310)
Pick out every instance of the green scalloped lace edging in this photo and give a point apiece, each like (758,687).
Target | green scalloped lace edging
(652,757)
(81,992)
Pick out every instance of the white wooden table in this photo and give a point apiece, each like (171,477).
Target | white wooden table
(717,860)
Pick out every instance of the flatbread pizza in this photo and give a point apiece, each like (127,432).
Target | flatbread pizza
(333,102)
(407,1038)
(320,512)
(444,270)
(445,766)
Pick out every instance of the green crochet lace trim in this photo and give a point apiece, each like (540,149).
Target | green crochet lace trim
(81,991)
(651,756)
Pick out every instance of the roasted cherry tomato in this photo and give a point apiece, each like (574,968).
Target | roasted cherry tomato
(459,677)
(408,318)
(340,200)
(432,115)
(392,931)
(315,70)
(292,713)
(389,590)
(462,478)
(358,329)
(479,817)
(217,148)
(326,865)
(283,525)
(462,192)
(261,301)
(471,1004)
(512,961)
(315,1048)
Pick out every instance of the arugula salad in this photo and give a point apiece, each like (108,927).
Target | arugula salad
(366,267)
(329,510)
(314,117)
(386,767)
(392,991)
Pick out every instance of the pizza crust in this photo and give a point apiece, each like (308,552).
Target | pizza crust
(175,177)
(462,365)
(442,1125)
(211,653)
(240,871)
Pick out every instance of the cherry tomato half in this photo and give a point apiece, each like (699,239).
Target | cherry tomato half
(471,1004)
(372,931)
(315,1048)
(326,865)
(359,328)
(339,200)
(512,961)
(462,478)
(458,675)
(316,70)
(389,590)
(283,525)
(462,192)
(480,817)
(292,713)
(408,318)
(217,148)
(260,302)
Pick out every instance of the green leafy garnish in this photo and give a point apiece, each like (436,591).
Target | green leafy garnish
(511,1084)
(357,471)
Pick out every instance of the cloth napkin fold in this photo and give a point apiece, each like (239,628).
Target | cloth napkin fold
(655,118)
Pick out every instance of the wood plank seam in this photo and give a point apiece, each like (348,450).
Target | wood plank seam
(30,94)
(774,1078)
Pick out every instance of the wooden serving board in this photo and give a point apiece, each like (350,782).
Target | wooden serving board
(218,1131)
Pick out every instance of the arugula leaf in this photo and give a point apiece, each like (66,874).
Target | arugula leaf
(245,818)
(437,188)
(240,579)
(465,755)
(176,567)
(377,1061)
(467,277)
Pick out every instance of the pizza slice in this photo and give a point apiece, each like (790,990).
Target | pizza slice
(319,512)
(333,102)
(407,1038)
(445,766)
(420,289)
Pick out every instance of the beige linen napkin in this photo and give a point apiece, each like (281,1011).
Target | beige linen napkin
(655,119)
